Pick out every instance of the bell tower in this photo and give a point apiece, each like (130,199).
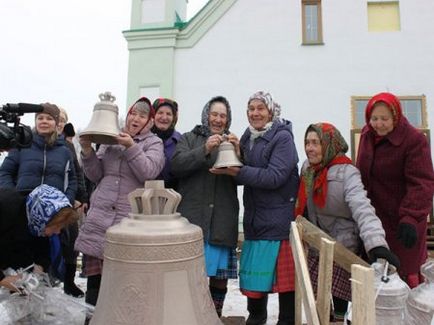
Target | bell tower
(151,39)
(157,13)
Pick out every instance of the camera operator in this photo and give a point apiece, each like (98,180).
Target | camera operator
(46,161)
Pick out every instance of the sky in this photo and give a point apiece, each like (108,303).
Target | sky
(66,53)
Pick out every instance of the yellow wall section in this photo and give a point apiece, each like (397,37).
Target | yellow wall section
(383,16)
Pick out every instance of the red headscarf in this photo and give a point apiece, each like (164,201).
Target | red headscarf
(392,103)
(314,178)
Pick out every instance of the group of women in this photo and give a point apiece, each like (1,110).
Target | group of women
(377,208)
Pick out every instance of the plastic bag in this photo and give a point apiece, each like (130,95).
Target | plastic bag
(420,303)
(38,303)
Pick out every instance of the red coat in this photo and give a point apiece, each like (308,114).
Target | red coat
(398,175)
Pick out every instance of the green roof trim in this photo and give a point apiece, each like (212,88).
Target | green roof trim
(186,33)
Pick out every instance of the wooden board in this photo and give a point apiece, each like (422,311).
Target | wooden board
(363,295)
(325,275)
(303,276)
(342,256)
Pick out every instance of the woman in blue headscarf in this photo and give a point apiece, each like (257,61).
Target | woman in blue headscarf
(32,236)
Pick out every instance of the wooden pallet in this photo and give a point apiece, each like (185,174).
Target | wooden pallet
(362,277)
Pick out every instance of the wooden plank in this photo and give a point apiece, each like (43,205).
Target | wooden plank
(325,275)
(303,276)
(298,301)
(298,317)
(363,295)
(342,256)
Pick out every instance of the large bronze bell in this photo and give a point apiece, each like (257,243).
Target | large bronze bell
(104,124)
(227,156)
(154,271)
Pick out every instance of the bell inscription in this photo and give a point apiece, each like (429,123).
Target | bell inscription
(154,271)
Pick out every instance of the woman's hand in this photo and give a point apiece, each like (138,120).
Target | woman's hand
(213,142)
(125,139)
(231,171)
(232,138)
(86,145)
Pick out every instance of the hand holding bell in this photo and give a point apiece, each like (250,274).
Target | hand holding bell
(228,153)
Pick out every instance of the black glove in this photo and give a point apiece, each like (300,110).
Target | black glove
(383,252)
(407,234)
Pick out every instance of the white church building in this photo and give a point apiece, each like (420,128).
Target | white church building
(320,59)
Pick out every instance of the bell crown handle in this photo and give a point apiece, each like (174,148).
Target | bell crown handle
(107,97)
(154,199)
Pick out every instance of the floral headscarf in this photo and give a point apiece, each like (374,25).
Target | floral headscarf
(314,178)
(42,204)
(267,99)
(170,103)
(390,100)
(159,102)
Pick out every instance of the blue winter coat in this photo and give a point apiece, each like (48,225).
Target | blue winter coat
(27,168)
(270,176)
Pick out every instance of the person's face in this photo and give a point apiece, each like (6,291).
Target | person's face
(313,148)
(258,114)
(381,119)
(45,124)
(52,229)
(218,118)
(62,122)
(164,118)
(136,121)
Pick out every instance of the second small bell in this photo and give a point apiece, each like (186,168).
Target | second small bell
(226,156)
(104,124)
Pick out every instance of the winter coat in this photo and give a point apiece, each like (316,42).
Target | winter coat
(18,249)
(208,200)
(27,168)
(169,150)
(398,175)
(270,179)
(81,195)
(116,171)
(348,215)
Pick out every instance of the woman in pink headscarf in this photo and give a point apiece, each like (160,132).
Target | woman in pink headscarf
(394,159)
(117,169)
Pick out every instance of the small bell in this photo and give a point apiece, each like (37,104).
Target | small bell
(226,156)
(104,124)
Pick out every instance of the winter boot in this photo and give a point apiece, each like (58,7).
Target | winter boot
(257,309)
(218,297)
(92,292)
(286,308)
(340,307)
(69,286)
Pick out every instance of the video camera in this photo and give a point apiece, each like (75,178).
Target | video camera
(16,135)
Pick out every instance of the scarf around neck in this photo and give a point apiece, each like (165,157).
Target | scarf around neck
(314,177)
(254,134)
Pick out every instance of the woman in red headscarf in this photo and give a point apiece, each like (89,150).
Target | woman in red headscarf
(332,197)
(394,159)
